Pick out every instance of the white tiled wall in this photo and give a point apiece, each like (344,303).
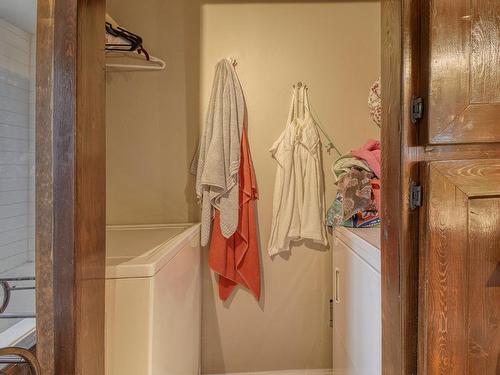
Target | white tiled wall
(16,146)
(31,190)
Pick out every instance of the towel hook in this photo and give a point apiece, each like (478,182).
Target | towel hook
(330,145)
(234,62)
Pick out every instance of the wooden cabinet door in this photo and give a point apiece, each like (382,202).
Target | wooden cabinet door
(460,264)
(443,258)
(459,289)
(463,47)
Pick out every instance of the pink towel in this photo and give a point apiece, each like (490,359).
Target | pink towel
(370,153)
(237,259)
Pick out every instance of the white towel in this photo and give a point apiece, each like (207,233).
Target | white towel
(218,162)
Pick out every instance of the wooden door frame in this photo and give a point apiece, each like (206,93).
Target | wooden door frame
(70,249)
(70,173)
(71,186)
(401,33)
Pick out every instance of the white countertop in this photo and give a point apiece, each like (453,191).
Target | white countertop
(370,235)
(141,251)
(363,241)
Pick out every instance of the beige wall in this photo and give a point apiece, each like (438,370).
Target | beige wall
(152,130)
(334,47)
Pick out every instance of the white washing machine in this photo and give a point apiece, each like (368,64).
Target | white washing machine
(357,304)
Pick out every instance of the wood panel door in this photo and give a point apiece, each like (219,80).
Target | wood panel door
(460,313)
(459,316)
(464,71)
(440,263)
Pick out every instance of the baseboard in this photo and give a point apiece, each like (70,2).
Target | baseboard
(286,372)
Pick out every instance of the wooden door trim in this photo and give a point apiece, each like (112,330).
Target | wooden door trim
(400,168)
(44,186)
(70,229)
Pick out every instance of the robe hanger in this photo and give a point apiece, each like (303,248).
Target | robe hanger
(233,61)
(330,146)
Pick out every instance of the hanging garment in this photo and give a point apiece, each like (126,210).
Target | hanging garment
(219,151)
(237,259)
(298,203)
(370,153)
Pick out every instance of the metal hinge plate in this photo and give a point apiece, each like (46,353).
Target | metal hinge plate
(415,196)
(417,109)
(330,323)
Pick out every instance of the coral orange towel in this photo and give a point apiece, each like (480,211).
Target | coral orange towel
(237,259)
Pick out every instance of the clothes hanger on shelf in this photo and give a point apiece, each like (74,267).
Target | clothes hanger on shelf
(154,63)
(121,42)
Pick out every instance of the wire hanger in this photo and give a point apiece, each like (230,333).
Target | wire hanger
(330,146)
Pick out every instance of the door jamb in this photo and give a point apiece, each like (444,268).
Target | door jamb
(401,154)
(71,186)
(70,173)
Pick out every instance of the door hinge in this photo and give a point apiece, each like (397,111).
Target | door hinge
(415,196)
(417,108)
(330,323)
